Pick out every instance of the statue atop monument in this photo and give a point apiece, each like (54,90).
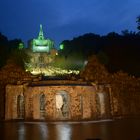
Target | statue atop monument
(43,56)
(41,35)
(41,44)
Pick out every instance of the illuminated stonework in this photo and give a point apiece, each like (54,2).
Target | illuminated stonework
(42,54)
(57,100)
(52,71)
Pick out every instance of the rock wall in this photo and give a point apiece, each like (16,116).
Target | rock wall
(79,102)
(125,104)
(68,102)
(12,92)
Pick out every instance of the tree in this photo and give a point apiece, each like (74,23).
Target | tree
(20,57)
(95,71)
(18,53)
(138,23)
(3,49)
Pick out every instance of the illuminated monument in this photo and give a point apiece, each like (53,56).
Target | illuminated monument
(41,44)
(42,54)
(42,57)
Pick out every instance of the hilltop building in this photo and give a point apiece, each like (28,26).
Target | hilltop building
(41,44)
(42,53)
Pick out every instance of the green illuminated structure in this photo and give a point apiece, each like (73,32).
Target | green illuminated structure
(42,55)
(20,46)
(61,46)
(41,44)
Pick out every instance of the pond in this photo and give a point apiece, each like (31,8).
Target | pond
(126,129)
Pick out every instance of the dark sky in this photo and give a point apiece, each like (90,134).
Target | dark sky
(65,19)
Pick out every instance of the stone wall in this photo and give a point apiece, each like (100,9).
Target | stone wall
(12,92)
(80,102)
(40,61)
(125,104)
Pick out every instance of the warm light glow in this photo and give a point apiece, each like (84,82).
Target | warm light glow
(52,71)
(59,101)
(42,58)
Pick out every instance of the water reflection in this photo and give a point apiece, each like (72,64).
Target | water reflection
(63,132)
(43,130)
(21,131)
(127,129)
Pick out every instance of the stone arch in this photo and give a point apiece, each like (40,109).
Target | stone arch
(20,107)
(62,104)
(42,105)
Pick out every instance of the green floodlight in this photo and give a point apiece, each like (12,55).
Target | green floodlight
(20,46)
(61,46)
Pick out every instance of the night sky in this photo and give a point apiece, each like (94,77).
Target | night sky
(65,19)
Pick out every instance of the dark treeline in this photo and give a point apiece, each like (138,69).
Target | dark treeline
(11,50)
(116,51)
